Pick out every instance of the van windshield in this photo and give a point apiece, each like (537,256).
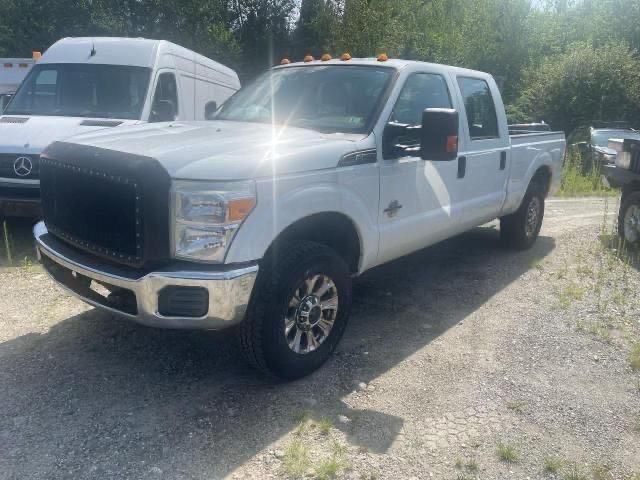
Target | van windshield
(82,90)
(327,98)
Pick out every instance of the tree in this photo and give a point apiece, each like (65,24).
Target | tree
(584,84)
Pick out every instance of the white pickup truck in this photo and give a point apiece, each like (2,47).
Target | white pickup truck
(259,219)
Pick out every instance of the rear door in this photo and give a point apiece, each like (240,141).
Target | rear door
(484,150)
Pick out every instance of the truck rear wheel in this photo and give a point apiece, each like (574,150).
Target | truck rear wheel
(629,219)
(520,229)
(298,311)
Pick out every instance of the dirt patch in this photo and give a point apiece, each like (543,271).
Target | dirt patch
(460,361)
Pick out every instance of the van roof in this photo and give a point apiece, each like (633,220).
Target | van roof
(140,52)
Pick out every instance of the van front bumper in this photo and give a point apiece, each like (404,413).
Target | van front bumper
(137,296)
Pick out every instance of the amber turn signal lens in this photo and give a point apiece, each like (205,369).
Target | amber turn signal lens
(383,57)
(452,143)
(285,61)
(240,208)
(308,58)
(345,57)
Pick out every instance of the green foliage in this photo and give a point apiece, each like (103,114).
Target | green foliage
(577,181)
(562,61)
(586,83)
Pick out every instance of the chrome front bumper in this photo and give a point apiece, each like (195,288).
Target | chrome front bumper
(229,290)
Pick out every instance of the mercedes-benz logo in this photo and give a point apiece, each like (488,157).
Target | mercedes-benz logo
(22,166)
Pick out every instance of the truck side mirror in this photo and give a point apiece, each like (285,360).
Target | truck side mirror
(439,134)
(163,111)
(210,110)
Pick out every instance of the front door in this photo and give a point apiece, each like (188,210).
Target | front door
(417,197)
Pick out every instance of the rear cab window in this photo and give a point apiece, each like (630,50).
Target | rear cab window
(480,108)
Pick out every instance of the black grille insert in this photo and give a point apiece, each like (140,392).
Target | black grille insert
(93,210)
(110,203)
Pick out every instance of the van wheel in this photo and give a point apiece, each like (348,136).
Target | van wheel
(520,229)
(629,219)
(298,311)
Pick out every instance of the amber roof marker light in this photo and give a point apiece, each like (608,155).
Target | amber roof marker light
(285,61)
(326,57)
(345,57)
(309,58)
(383,57)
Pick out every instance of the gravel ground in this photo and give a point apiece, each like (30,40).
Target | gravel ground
(455,356)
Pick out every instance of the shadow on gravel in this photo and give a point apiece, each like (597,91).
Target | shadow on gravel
(97,397)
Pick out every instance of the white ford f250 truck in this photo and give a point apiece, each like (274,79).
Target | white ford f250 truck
(259,219)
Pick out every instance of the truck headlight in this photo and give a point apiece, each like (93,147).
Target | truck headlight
(206,216)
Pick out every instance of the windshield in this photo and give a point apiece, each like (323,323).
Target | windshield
(601,138)
(324,98)
(82,90)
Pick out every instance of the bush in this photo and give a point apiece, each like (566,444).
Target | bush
(582,85)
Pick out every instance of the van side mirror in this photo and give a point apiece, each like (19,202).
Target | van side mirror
(210,110)
(439,134)
(163,111)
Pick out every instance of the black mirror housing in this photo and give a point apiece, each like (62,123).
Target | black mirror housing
(210,110)
(439,134)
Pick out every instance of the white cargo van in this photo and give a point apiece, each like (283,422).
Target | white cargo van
(84,84)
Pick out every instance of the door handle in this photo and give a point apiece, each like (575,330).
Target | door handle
(393,208)
(503,160)
(462,166)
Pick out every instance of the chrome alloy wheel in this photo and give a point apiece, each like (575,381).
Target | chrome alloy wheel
(311,314)
(533,217)
(632,224)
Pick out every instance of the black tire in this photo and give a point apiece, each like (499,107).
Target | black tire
(515,230)
(631,238)
(262,333)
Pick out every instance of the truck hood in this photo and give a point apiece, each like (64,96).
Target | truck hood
(225,150)
(31,134)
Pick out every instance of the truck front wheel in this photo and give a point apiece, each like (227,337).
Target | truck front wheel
(299,310)
(629,219)
(520,229)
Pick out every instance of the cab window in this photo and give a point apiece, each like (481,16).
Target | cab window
(420,91)
(480,108)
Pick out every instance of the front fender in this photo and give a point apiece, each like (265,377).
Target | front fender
(283,201)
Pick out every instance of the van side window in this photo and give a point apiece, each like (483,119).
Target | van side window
(480,108)
(165,99)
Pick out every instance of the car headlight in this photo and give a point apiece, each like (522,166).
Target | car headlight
(206,216)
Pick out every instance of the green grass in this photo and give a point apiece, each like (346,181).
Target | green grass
(570,294)
(296,460)
(329,467)
(472,465)
(516,406)
(324,426)
(574,473)
(634,357)
(507,453)
(552,464)
(576,183)
(601,472)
